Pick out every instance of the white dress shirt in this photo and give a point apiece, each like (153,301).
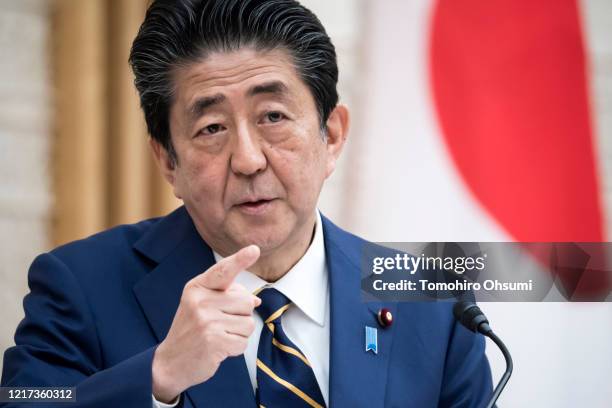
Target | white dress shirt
(306,322)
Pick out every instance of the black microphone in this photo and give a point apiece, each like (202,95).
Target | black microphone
(470,316)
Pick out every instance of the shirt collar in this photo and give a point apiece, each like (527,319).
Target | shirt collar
(306,284)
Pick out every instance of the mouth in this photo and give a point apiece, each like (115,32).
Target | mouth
(255,207)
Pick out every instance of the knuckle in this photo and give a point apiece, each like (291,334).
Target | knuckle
(216,357)
(189,286)
(211,338)
(249,304)
(206,321)
(250,325)
(237,287)
(202,324)
(205,302)
(220,355)
(241,345)
(239,302)
(189,300)
(219,271)
(237,347)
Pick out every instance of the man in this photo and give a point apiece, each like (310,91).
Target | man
(246,296)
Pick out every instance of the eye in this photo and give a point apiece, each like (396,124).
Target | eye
(211,129)
(274,117)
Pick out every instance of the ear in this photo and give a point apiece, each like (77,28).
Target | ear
(165,164)
(337,132)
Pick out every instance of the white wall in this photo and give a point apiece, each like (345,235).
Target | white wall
(341,19)
(24,151)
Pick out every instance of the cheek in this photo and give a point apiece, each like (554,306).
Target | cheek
(301,168)
(201,178)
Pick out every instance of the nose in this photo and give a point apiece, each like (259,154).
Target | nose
(247,156)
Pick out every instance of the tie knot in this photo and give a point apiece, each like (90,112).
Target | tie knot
(273,304)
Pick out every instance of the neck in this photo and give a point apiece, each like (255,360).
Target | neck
(273,264)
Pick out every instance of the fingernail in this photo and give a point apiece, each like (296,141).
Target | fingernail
(257,301)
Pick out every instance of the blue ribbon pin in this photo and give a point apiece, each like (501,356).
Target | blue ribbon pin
(371,339)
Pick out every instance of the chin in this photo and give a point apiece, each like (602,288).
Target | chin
(266,237)
(265,240)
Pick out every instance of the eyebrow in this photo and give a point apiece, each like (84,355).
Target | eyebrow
(200,105)
(274,87)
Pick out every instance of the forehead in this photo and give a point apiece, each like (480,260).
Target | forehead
(233,74)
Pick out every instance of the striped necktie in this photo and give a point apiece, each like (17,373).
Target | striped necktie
(284,375)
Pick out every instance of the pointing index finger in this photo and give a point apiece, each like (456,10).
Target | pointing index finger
(221,275)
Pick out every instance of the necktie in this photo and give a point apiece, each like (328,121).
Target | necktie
(284,375)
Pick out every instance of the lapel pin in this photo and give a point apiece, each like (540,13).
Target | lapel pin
(385,318)
(371,339)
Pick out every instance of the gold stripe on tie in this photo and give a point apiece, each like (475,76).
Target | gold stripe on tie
(290,350)
(277,313)
(255,292)
(288,385)
(285,348)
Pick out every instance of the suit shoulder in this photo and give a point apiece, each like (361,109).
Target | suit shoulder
(351,245)
(112,242)
(336,233)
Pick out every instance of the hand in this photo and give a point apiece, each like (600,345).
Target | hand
(213,321)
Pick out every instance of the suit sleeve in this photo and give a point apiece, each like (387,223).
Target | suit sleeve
(57,345)
(467,376)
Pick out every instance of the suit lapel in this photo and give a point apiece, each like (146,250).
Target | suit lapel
(159,293)
(357,377)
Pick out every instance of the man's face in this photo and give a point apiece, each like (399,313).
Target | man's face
(251,156)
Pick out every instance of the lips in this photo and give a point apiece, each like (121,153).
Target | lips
(254,200)
(255,206)
(256,203)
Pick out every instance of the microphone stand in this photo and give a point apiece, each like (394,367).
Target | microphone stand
(509,366)
(471,317)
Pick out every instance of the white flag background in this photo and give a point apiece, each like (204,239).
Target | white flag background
(486,121)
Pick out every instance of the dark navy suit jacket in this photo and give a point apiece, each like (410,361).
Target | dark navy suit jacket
(98,307)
